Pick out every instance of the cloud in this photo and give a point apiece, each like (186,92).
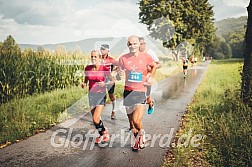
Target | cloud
(57,21)
(54,21)
(50,12)
(240,3)
(229,8)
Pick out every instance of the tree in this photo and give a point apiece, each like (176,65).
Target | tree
(10,47)
(226,50)
(177,21)
(246,87)
(236,39)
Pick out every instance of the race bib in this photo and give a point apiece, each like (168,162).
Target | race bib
(135,76)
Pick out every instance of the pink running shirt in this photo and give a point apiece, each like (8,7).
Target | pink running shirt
(135,68)
(95,76)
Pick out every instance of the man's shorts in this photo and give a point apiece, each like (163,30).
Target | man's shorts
(96,98)
(131,98)
(111,89)
(148,91)
(184,67)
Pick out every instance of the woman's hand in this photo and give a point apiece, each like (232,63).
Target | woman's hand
(83,85)
(101,84)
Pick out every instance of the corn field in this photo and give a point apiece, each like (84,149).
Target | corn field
(37,72)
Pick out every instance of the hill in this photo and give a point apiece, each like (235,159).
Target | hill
(231,24)
(118,45)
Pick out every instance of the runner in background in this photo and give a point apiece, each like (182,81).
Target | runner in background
(95,77)
(195,60)
(192,60)
(143,48)
(135,65)
(110,62)
(185,65)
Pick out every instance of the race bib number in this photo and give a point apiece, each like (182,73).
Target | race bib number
(135,76)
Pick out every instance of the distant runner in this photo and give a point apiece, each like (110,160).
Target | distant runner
(185,65)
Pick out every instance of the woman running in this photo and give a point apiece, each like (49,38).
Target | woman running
(95,77)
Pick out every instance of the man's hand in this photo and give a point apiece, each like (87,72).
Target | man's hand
(120,74)
(148,81)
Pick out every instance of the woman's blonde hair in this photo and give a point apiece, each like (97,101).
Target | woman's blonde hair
(98,52)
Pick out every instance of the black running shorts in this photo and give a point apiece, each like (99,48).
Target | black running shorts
(131,98)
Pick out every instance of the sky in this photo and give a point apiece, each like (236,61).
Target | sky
(58,21)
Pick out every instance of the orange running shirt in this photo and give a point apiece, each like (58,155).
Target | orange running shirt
(135,68)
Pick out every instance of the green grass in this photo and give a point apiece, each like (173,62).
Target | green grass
(22,118)
(218,114)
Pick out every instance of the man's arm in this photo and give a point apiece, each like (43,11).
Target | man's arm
(152,69)
(158,65)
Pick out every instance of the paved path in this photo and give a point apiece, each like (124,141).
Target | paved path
(73,144)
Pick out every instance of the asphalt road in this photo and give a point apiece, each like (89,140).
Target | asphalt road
(71,143)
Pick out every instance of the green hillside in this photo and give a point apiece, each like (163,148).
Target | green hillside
(231,24)
(118,45)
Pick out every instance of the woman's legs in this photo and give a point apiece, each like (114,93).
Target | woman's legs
(96,112)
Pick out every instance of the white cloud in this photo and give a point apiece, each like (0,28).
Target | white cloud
(243,3)
(63,20)
(229,8)
(36,12)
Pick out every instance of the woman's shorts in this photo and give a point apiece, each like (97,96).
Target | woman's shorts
(96,98)
(111,89)
(131,98)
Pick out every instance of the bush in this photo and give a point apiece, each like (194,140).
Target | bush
(219,55)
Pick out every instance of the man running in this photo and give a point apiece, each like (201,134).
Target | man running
(143,48)
(185,65)
(110,62)
(138,68)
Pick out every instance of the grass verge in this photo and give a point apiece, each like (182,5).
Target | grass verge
(21,118)
(220,121)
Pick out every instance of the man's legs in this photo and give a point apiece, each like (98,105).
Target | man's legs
(113,100)
(138,131)
(149,100)
(137,117)
(129,111)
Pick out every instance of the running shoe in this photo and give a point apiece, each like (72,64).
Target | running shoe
(99,139)
(136,145)
(141,142)
(103,138)
(151,109)
(112,115)
(105,135)
(142,138)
